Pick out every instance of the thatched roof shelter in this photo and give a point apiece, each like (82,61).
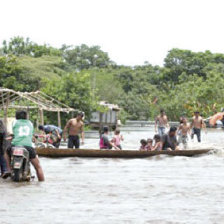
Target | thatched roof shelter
(31,100)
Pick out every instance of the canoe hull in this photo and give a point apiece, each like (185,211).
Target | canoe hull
(57,153)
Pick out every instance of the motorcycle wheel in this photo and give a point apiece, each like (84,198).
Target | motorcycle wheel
(17,175)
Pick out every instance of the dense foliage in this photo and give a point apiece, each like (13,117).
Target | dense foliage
(82,75)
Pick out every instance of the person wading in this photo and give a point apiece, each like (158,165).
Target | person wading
(162,122)
(196,125)
(73,127)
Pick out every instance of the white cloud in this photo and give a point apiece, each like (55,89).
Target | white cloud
(130,31)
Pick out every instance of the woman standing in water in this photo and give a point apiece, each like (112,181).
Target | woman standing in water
(2,147)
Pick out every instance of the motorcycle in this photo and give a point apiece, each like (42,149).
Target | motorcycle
(20,164)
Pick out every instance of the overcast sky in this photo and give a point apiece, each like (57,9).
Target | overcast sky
(131,31)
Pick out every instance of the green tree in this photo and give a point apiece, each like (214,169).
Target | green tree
(10,73)
(185,61)
(85,57)
(74,90)
(19,46)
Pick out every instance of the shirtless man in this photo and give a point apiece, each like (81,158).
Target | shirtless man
(162,122)
(196,125)
(73,128)
(184,130)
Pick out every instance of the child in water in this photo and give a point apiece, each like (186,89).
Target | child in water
(184,130)
(149,144)
(143,146)
(117,139)
(49,138)
(158,144)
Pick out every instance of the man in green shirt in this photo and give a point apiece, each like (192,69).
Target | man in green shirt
(23,135)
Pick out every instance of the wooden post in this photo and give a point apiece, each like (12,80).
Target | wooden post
(111,116)
(101,123)
(28,113)
(41,117)
(59,119)
(6,111)
(117,117)
(72,114)
(5,116)
(37,121)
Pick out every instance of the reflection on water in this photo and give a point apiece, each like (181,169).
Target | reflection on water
(160,189)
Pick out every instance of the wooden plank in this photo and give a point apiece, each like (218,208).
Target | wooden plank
(49,152)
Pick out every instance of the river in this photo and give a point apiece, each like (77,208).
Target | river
(158,190)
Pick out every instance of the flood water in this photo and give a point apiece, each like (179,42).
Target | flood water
(160,189)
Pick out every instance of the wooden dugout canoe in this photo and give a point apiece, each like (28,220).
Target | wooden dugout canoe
(57,153)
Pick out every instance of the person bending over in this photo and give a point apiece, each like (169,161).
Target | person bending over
(55,131)
(23,134)
(169,140)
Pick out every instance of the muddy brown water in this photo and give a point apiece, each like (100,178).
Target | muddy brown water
(160,189)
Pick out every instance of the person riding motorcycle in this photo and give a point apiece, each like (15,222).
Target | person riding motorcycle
(23,135)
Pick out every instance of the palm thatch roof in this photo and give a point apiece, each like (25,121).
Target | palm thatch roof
(31,100)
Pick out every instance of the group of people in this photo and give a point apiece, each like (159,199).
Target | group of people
(115,142)
(23,135)
(53,135)
(162,140)
(176,135)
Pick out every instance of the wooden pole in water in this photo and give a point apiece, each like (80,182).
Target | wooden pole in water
(59,119)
